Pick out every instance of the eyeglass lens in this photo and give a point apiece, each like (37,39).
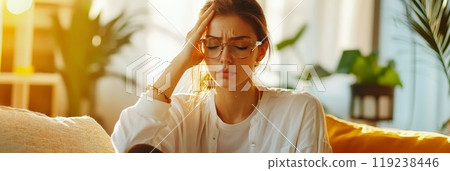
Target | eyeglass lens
(240,48)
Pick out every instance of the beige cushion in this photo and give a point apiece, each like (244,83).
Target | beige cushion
(25,131)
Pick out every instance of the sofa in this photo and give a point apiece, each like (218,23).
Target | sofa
(31,132)
(349,137)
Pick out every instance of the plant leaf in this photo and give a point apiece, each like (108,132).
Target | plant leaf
(389,77)
(348,58)
(430,20)
(364,71)
(293,40)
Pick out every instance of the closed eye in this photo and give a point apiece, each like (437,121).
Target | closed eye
(212,47)
(241,47)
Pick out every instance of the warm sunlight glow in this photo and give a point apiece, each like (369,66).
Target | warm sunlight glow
(97,7)
(18,6)
(96,40)
(1,32)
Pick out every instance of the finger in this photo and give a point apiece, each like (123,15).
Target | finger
(202,27)
(204,16)
(197,25)
(194,35)
(188,35)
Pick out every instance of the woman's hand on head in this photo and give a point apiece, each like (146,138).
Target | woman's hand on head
(191,54)
(188,57)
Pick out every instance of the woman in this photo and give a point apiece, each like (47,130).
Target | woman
(230,113)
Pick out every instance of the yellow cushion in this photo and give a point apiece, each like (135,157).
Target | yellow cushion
(348,137)
(25,131)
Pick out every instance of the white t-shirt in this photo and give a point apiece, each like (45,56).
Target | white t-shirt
(283,121)
(233,138)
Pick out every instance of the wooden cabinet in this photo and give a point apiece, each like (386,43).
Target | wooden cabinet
(20,95)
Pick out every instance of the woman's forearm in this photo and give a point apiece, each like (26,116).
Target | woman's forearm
(169,79)
(188,57)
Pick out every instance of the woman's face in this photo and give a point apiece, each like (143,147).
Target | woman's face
(232,66)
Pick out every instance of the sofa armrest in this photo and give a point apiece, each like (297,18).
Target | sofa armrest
(25,131)
(349,137)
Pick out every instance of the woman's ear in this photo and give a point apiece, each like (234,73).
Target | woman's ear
(262,51)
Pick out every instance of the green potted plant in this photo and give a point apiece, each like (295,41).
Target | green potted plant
(372,79)
(86,47)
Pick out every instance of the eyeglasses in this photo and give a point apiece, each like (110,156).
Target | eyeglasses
(238,48)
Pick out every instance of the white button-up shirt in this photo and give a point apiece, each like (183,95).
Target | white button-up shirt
(285,121)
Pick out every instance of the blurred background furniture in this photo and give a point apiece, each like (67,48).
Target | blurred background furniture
(21,89)
(26,82)
(381,99)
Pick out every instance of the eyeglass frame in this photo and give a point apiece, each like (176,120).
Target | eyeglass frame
(222,46)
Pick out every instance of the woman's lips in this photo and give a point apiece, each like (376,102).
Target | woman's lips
(225,74)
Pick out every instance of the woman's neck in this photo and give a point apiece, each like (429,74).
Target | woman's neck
(235,106)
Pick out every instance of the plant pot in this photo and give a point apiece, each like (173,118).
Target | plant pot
(372,102)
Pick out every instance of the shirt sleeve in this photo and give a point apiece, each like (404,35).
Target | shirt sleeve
(147,122)
(313,137)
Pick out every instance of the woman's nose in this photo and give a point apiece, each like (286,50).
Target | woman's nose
(225,56)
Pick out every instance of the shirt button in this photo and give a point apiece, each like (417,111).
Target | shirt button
(214,138)
(253,145)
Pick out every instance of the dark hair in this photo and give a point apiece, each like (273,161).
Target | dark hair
(248,10)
